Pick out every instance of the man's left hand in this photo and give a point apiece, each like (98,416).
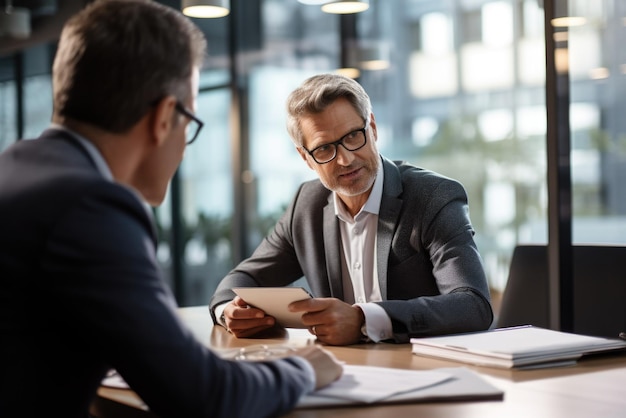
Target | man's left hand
(333,321)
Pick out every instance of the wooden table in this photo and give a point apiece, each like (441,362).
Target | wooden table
(595,387)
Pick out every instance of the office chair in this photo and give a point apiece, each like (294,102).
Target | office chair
(599,289)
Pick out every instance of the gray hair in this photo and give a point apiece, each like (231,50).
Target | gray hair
(318,92)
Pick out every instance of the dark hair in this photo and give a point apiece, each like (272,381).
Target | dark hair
(116,58)
(318,92)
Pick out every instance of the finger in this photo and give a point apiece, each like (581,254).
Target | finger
(249,332)
(308,305)
(245,324)
(334,336)
(247,312)
(326,366)
(239,302)
(319,331)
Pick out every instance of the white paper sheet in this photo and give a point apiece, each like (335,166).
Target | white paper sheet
(372,384)
(465,385)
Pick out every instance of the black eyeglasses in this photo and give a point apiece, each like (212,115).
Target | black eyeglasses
(195,125)
(352,141)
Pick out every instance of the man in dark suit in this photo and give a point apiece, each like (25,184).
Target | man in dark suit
(386,248)
(80,288)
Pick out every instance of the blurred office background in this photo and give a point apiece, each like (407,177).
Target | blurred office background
(457,86)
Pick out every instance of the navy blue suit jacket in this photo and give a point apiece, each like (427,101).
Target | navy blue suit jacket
(430,273)
(81,292)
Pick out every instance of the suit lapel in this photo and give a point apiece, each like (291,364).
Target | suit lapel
(390,206)
(332,249)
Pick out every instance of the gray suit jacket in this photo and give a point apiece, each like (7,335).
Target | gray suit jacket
(430,272)
(81,292)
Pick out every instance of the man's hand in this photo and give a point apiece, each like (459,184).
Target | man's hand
(327,368)
(333,322)
(244,321)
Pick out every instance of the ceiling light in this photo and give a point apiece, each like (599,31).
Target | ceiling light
(350,72)
(568,21)
(206,8)
(345,6)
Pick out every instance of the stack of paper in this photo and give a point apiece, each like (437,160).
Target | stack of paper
(520,347)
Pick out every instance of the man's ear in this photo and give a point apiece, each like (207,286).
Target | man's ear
(163,119)
(373,126)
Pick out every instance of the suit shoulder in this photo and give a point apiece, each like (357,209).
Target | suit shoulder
(312,190)
(93,186)
(412,174)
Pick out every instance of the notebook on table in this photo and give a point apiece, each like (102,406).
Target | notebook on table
(515,347)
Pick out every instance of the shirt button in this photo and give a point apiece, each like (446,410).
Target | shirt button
(361,300)
(357,265)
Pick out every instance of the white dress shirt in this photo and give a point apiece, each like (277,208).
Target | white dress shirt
(359,268)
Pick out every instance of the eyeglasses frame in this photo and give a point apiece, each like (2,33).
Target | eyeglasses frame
(337,143)
(180,108)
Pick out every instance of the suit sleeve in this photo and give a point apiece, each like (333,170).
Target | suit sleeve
(273,263)
(462,302)
(107,287)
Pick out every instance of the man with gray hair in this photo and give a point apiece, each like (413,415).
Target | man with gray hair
(386,248)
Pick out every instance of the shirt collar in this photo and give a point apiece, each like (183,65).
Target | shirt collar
(98,159)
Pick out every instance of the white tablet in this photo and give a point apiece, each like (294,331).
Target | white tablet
(274,301)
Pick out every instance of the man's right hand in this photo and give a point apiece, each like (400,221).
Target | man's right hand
(327,367)
(243,321)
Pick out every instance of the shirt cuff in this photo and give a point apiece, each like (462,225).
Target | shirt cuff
(219,313)
(377,322)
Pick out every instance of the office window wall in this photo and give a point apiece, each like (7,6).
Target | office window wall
(459,88)
(195,220)
(8,133)
(596,64)
(475,72)
(25,93)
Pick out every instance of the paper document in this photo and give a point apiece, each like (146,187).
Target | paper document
(372,384)
(463,385)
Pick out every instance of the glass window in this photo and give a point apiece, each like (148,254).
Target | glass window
(472,108)
(38,102)
(206,185)
(8,114)
(37,89)
(597,122)
(299,41)
(8,102)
